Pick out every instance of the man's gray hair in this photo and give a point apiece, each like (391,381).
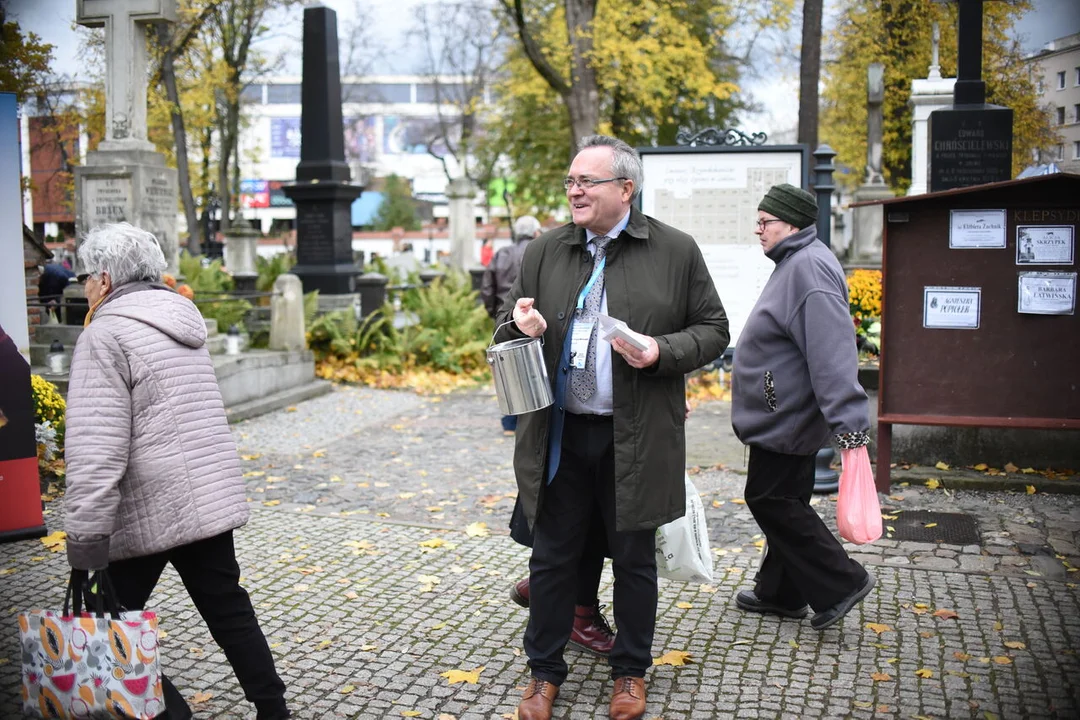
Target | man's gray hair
(127,253)
(526,226)
(625,161)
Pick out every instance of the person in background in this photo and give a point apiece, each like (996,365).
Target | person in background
(499,277)
(487,250)
(153,476)
(795,382)
(613,443)
(55,276)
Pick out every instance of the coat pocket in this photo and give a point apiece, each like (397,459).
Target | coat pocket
(770,391)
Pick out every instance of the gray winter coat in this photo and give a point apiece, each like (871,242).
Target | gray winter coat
(151,463)
(795,378)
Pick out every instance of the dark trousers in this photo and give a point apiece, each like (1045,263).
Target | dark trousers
(583,485)
(209,571)
(509,423)
(591,564)
(804,563)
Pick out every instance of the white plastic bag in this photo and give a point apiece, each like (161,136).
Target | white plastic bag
(682,546)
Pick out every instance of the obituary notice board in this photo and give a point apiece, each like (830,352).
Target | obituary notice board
(977,332)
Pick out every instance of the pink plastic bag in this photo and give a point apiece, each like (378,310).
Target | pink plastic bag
(858,512)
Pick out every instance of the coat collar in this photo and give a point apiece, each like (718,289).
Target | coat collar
(792,244)
(637,227)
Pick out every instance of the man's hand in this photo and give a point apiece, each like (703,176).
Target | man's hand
(528,319)
(635,358)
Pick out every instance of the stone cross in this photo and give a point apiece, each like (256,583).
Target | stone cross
(126,63)
(875,97)
(935,66)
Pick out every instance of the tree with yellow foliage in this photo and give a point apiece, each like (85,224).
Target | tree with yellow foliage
(897,33)
(639,71)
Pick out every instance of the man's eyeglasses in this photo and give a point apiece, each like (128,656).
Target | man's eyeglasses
(763,223)
(586,183)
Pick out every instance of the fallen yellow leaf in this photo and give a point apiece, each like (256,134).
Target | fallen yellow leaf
(738,501)
(254,473)
(946,614)
(477,529)
(998,627)
(673,657)
(1009,467)
(925,673)
(433,543)
(981,466)
(861,704)
(271,503)
(1028,471)
(1030,489)
(410,713)
(707,588)
(683,605)
(1002,660)
(253,456)
(880,677)
(934,483)
(941,466)
(468,676)
(1015,645)
(793,644)
(961,656)
(55,541)
(369,648)
(201,697)
(346,689)
(878,627)
(930,525)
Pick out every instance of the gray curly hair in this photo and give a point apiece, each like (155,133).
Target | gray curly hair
(526,226)
(127,253)
(625,160)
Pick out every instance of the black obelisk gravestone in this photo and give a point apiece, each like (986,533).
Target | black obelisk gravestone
(971,142)
(322,192)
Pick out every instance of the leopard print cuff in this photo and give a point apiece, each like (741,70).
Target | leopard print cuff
(852,440)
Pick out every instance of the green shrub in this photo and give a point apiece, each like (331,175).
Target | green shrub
(211,285)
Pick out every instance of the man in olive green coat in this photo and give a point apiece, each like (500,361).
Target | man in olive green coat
(614,439)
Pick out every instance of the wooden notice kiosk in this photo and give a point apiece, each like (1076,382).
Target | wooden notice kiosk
(980,325)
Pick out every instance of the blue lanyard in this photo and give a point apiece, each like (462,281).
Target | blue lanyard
(592,281)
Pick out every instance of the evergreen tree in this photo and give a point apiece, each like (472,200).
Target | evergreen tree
(398,208)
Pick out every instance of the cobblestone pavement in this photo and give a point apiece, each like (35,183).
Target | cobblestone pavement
(363,618)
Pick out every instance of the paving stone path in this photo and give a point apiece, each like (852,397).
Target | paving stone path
(369,587)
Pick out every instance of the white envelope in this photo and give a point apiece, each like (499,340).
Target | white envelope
(610,328)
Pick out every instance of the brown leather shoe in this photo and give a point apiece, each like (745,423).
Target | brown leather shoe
(628,699)
(591,631)
(519,593)
(537,700)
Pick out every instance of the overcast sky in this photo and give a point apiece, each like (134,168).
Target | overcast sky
(391,19)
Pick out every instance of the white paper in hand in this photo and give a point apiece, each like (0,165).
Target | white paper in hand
(610,328)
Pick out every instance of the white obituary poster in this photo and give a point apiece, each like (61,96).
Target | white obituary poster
(951,307)
(972,229)
(1046,293)
(714,197)
(1045,245)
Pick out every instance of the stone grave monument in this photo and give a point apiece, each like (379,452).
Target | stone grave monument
(970,142)
(927,95)
(125,179)
(323,193)
(865,247)
(461,192)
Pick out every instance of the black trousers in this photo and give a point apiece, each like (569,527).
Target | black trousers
(209,571)
(804,563)
(591,564)
(584,485)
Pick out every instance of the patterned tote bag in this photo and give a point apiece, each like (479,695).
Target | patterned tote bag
(100,662)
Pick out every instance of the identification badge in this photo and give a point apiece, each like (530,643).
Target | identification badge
(579,342)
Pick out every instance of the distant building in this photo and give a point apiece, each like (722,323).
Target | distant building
(1056,70)
(392,125)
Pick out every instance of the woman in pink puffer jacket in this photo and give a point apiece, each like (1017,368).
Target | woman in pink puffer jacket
(153,475)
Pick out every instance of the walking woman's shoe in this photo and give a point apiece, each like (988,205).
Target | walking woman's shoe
(748,600)
(833,615)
